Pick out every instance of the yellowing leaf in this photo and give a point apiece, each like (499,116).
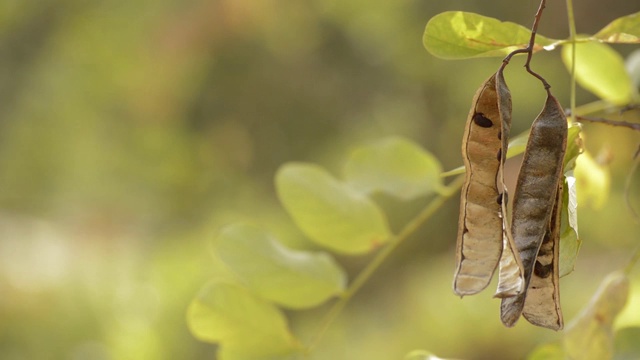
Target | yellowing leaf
(594,181)
(623,30)
(461,35)
(600,69)
(422,355)
(295,279)
(330,212)
(396,166)
(552,351)
(242,324)
(590,334)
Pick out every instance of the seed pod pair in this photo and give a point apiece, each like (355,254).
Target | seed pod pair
(527,247)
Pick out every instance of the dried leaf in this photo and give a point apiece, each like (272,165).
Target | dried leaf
(535,195)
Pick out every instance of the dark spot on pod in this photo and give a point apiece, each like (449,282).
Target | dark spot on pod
(500,135)
(465,230)
(499,199)
(499,154)
(482,121)
(542,271)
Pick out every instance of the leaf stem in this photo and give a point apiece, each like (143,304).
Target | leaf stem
(572,40)
(410,228)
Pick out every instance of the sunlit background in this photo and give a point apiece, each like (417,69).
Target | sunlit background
(131,131)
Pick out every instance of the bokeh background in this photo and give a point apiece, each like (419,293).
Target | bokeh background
(131,131)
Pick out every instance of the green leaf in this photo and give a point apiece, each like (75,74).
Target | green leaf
(569,240)
(623,30)
(246,327)
(330,212)
(396,166)
(462,35)
(551,351)
(421,355)
(600,69)
(594,181)
(590,334)
(294,279)
(626,344)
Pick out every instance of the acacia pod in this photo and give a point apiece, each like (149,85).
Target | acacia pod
(510,275)
(480,226)
(542,303)
(535,195)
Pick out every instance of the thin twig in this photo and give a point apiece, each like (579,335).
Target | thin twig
(529,49)
(630,125)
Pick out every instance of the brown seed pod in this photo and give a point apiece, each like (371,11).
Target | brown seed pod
(535,195)
(480,227)
(542,303)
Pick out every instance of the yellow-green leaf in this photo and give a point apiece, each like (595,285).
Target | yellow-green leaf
(461,35)
(626,343)
(569,240)
(395,166)
(623,30)
(295,279)
(422,355)
(330,212)
(590,334)
(600,69)
(245,327)
(594,181)
(551,351)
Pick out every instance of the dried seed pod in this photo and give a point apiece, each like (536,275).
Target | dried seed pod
(510,275)
(542,303)
(480,227)
(535,195)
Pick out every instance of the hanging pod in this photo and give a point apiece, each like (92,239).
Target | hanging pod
(535,220)
(482,231)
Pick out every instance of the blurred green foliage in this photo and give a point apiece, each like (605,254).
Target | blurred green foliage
(132,131)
